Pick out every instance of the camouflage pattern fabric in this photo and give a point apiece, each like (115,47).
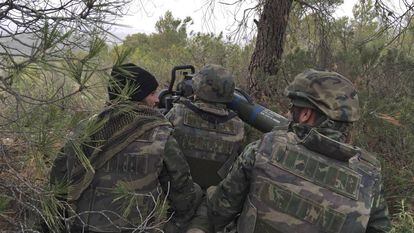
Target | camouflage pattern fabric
(207,146)
(280,185)
(134,162)
(214,84)
(330,92)
(210,148)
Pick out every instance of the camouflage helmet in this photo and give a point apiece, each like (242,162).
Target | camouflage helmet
(213,83)
(330,92)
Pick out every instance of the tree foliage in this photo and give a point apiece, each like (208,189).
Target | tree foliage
(52,61)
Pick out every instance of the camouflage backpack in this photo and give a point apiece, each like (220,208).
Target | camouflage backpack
(122,146)
(310,185)
(209,146)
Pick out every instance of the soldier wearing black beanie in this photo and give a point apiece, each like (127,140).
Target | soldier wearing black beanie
(141,82)
(130,144)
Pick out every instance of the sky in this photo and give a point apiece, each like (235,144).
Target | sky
(143,14)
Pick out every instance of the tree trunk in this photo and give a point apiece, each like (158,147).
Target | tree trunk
(269,45)
(324,55)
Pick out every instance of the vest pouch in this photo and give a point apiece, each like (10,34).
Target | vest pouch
(247,220)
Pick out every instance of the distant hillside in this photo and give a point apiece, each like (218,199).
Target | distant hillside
(18,45)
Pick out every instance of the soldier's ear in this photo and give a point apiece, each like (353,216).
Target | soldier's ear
(307,116)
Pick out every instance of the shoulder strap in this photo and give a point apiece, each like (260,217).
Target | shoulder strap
(370,158)
(207,116)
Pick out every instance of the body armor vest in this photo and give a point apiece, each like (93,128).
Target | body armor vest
(125,191)
(208,146)
(311,185)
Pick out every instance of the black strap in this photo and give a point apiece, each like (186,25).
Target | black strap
(207,116)
(225,168)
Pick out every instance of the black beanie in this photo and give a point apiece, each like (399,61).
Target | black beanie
(142,82)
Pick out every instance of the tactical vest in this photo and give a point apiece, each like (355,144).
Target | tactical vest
(311,185)
(208,146)
(124,192)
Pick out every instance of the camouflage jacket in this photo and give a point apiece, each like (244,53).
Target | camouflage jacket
(120,176)
(210,136)
(284,183)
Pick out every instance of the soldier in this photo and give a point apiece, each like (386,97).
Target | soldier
(305,177)
(209,134)
(127,164)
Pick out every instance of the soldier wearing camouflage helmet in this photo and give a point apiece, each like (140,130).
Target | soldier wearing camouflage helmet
(305,178)
(131,164)
(208,132)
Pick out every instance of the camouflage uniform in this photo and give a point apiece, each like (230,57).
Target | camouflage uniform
(133,162)
(209,134)
(305,179)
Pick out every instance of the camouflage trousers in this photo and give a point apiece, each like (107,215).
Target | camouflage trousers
(201,222)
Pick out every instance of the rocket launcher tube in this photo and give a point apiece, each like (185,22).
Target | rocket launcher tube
(255,115)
